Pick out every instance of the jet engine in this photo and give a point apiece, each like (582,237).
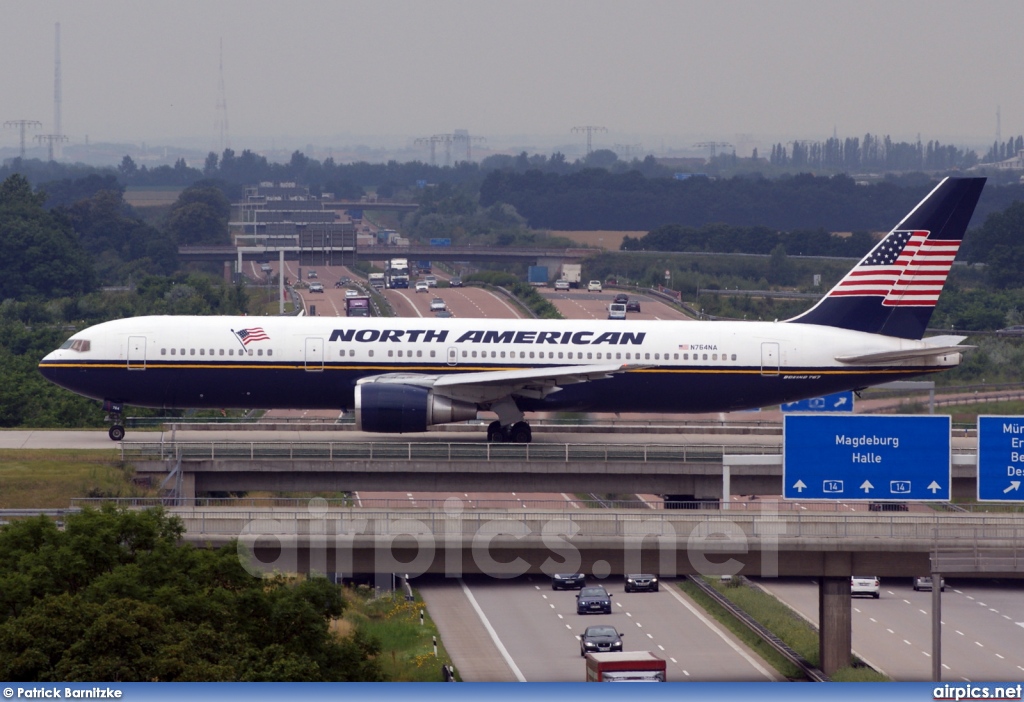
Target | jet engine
(393,408)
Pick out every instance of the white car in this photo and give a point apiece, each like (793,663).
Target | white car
(316,287)
(421,286)
(561,285)
(431,281)
(594,286)
(351,293)
(437,304)
(868,585)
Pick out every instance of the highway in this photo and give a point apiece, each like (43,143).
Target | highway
(538,629)
(983,627)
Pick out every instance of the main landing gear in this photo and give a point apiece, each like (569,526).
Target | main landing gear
(113,410)
(518,433)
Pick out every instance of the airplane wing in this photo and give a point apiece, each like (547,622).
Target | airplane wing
(936,346)
(490,386)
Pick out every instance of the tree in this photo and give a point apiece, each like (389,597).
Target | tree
(112,596)
(200,216)
(42,255)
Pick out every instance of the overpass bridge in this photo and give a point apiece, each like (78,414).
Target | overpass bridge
(691,471)
(416,252)
(454,541)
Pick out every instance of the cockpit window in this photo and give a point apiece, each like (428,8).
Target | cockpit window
(80,345)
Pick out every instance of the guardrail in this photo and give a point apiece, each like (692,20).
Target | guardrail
(812,672)
(436,451)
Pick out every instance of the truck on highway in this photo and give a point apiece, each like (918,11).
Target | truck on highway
(376,280)
(573,272)
(358,306)
(397,274)
(627,666)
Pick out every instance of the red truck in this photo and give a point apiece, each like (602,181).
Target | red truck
(627,666)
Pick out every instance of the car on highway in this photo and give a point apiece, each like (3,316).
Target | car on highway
(568,581)
(351,293)
(443,313)
(455,282)
(437,305)
(431,281)
(594,286)
(641,582)
(924,582)
(266,268)
(593,600)
(311,274)
(633,305)
(316,287)
(621,297)
(421,286)
(616,310)
(600,639)
(868,585)
(561,285)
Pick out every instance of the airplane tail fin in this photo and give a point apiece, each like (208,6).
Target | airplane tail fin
(894,289)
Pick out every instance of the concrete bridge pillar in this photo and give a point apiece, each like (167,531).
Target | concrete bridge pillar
(835,622)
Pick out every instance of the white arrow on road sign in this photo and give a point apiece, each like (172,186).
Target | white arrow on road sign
(1014,484)
(934,487)
(799,485)
(867,486)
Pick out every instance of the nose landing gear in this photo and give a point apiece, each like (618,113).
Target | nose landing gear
(113,410)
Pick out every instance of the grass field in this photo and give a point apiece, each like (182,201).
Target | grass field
(407,647)
(49,479)
(608,240)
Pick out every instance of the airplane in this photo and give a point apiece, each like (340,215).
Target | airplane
(403,375)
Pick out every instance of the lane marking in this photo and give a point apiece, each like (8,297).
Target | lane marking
(490,630)
(721,634)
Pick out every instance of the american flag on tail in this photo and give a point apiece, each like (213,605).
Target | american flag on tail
(252,334)
(907,269)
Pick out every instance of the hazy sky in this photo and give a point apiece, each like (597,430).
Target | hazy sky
(662,73)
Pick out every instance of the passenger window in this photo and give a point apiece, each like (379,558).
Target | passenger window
(559,354)
(174,351)
(686,357)
(231,352)
(191,352)
(734,357)
(474,354)
(250,352)
(202,352)
(431,354)
(503,354)
(419,354)
(647,356)
(465,353)
(221,352)
(589,356)
(259,352)
(618,356)
(714,357)
(390,353)
(163,352)
(705,357)
(531,354)
(656,357)
(270,352)
(675,357)
(371,354)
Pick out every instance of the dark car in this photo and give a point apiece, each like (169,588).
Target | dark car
(622,298)
(455,282)
(593,599)
(637,582)
(568,581)
(633,306)
(600,639)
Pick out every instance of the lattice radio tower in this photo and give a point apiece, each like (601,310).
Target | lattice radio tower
(712,145)
(222,108)
(58,132)
(590,132)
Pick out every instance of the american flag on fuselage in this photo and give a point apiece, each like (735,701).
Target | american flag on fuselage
(252,334)
(907,269)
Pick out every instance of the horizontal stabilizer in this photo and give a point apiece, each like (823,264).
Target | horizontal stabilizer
(937,346)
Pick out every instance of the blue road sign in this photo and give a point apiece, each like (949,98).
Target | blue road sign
(836,402)
(1001,459)
(866,457)
(441,242)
